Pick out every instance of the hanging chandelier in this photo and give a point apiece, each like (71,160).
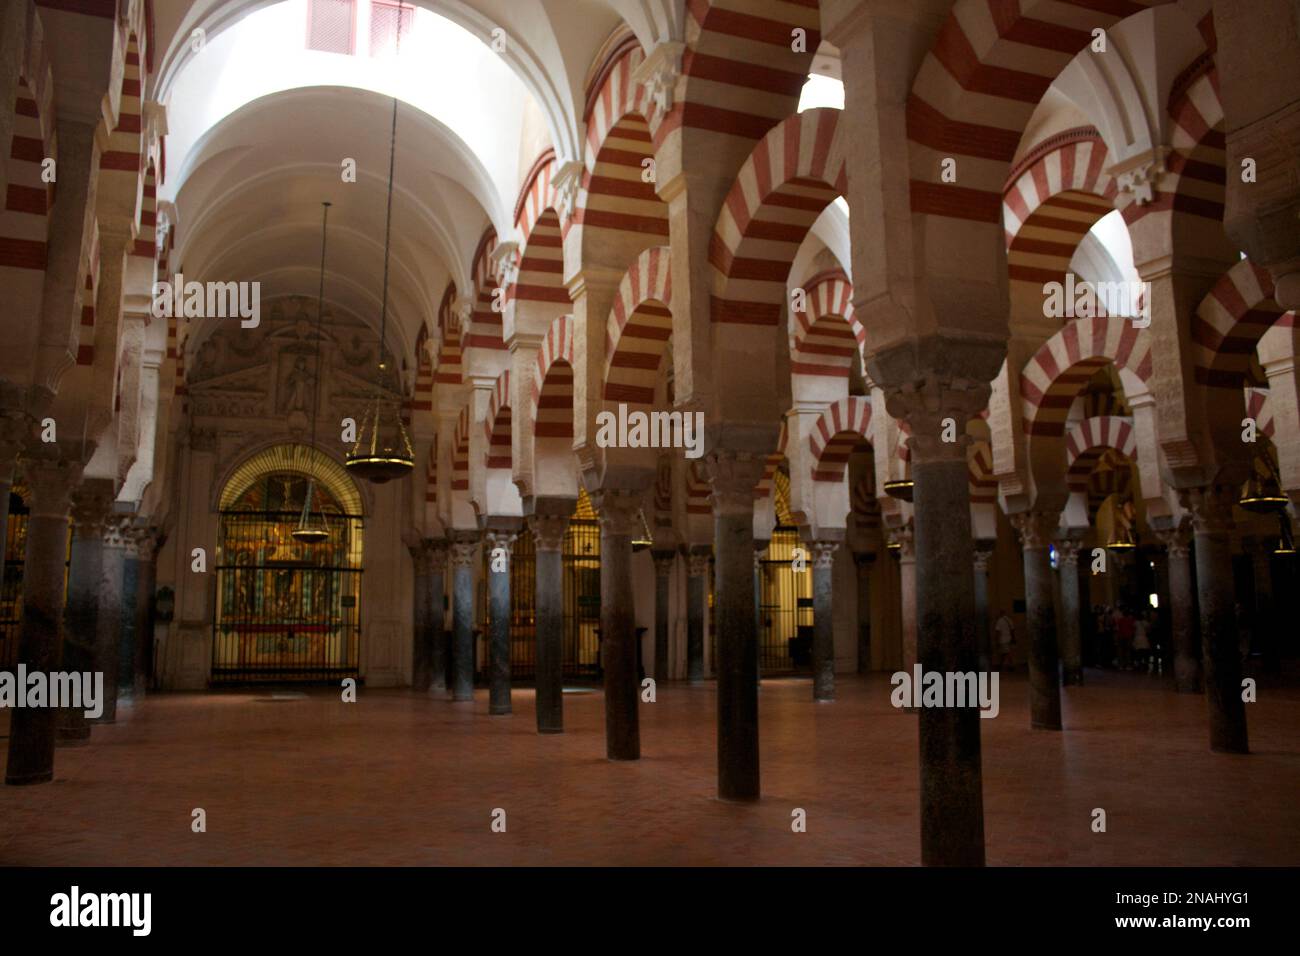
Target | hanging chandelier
(900,489)
(383,448)
(313,530)
(1262,492)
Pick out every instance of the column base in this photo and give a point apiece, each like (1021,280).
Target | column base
(550,730)
(1043,725)
(498,710)
(27,780)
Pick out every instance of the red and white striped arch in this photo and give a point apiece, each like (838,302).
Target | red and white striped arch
(431,475)
(460,453)
(541,255)
(1088,439)
(794,173)
(553,384)
(90,288)
(827,333)
(698,490)
(990,65)
(1196,184)
(1229,322)
(837,430)
(615,194)
(1260,408)
(120,162)
(422,397)
(742,73)
(979,470)
(497,425)
(449,370)
(1051,380)
(486,326)
(1055,195)
(639,327)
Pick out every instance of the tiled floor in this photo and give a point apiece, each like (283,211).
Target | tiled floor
(398,779)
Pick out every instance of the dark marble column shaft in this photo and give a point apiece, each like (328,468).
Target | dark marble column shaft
(733,477)
(421,661)
(50,481)
(663,571)
(91,502)
(1182,611)
(983,637)
(548,528)
(147,542)
(1037,528)
(112,608)
(619,514)
(499,544)
(1070,631)
(952,799)
(823,566)
(464,549)
(696,600)
(439,646)
(1211,510)
(862,565)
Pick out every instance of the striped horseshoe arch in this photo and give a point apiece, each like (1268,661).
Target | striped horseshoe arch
(497,425)
(553,384)
(837,430)
(639,328)
(1229,322)
(1053,377)
(1090,438)
(541,260)
(448,371)
(827,334)
(460,453)
(794,173)
(773,462)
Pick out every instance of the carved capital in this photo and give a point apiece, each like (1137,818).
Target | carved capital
(659,73)
(51,479)
(697,563)
(500,539)
(1177,541)
(568,183)
(435,550)
(144,540)
(464,548)
(936,409)
(548,531)
(1210,508)
(982,556)
(117,531)
(1067,551)
(91,503)
(663,562)
(619,510)
(1140,176)
(823,554)
(733,476)
(1037,528)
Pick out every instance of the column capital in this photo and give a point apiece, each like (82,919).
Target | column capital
(663,562)
(1067,550)
(51,479)
(1210,508)
(117,531)
(697,562)
(435,550)
(1037,528)
(1177,540)
(927,404)
(548,531)
(144,540)
(464,547)
(982,556)
(823,554)
(733,476)
(498,538)
(619,510)
(91,504)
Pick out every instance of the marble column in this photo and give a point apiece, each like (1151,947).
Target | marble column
(1070,630)
(1037,528)
(50,481)
(733,477)
(15,427)
(862,563)
(696,600)
(421,661)
(760,548)
(464,550)
(548,528)
(983,636)
(663,570)
(499,544)
(1182,610)
(905,538)
(1211,510)
(91,502)
(952,798)
(439,646)
(619,511)
(823,562)
(112,609)
(1263,630)
(148,539)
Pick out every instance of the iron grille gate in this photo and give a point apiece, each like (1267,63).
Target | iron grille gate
(11,590)
(285,611)
(785,609)
(580,643)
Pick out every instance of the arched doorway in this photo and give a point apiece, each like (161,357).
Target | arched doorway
(285,610)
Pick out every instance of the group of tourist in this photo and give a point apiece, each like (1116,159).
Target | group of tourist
(1128,639)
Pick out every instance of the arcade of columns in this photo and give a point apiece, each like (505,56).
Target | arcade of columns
(678,293)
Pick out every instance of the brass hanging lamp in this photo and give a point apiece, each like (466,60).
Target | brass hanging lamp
(900,489)
(1285,542)
(1262,493)
(383,448)
(314,530)
(1122,537)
